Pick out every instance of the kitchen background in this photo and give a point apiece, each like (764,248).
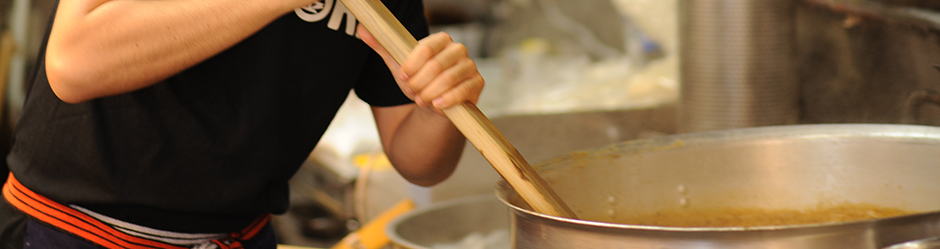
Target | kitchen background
(569,75)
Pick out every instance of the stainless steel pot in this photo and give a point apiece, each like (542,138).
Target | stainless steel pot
(447,224)
(786,167)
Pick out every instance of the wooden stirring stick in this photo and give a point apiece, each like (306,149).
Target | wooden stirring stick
(466,117)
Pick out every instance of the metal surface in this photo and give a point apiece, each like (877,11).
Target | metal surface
(927,4)
(928,243)
(860,60)
(448,222)
(737,64)
(788,167)
(915,101)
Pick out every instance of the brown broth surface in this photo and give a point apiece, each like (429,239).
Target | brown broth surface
(755,217)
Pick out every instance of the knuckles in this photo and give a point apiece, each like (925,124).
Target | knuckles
(425,59)
(461,49)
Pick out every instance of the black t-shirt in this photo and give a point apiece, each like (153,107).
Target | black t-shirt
(221,138)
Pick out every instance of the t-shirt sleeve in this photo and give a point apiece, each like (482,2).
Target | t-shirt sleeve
(376,85)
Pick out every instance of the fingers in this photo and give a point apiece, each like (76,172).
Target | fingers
(468,90)
(427,48)
(445,80)
(440,73)
(438,65)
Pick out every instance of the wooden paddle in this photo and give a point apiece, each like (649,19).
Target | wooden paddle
(466,117)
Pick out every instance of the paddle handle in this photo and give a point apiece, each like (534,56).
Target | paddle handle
(471,122)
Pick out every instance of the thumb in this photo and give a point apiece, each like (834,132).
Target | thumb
(393,66)
(370,40)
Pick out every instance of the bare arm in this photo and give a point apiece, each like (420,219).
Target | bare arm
(419,140)
(105,47)
(423,145)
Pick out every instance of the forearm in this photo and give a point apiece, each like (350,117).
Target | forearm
(110,47)
(426,147)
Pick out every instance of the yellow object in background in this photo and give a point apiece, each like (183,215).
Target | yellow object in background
(372,235)
(374,161)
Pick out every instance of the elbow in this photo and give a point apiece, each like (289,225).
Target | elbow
(428,180)
(427,176)
(66,79)
(427,168)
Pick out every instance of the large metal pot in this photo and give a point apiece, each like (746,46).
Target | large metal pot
(787,167)
(470,222)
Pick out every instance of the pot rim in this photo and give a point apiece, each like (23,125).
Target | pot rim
(914,132)
(395,238)
(599,224)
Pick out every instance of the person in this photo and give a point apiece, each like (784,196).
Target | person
(177,123)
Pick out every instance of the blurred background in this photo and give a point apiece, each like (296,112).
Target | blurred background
(569,75)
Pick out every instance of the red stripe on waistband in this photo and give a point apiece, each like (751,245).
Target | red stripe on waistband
(87,227)
(253,229)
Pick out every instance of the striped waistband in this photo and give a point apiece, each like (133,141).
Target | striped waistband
(112,233)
